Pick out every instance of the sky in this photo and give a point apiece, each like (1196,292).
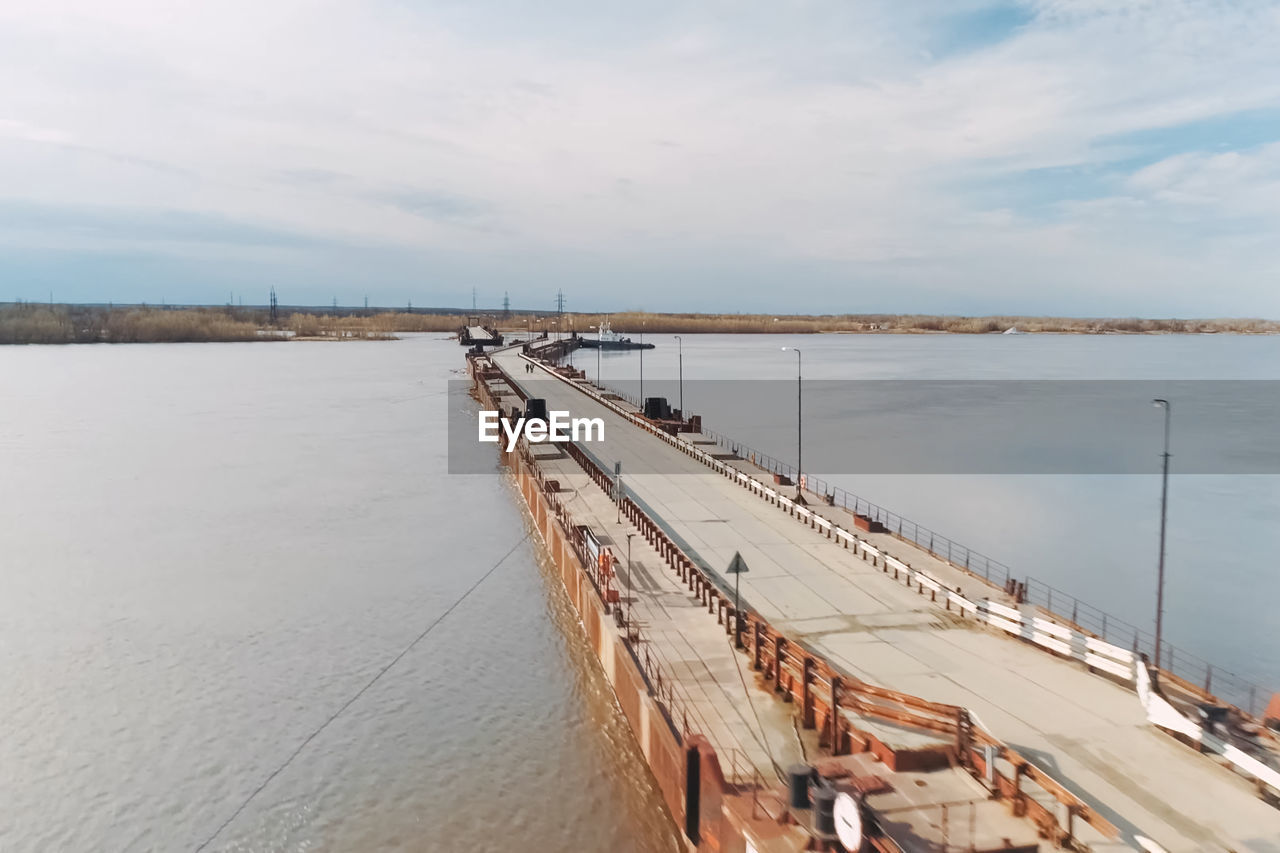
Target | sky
(1066,157)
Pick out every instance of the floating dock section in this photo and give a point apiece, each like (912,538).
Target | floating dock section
(476,335)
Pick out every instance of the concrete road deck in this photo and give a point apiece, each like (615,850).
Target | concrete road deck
(1087,732)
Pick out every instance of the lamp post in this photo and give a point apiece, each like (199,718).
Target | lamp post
(680,354)
(629,596)
(598,382)
(642,368)
(1164,513)
(799,423)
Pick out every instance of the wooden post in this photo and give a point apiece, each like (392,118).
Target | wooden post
(806,700)
(759,631)
(836,746)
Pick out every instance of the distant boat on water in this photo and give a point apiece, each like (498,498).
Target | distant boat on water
(607,338)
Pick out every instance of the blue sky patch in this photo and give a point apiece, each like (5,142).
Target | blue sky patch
(1228,132)
(969,31)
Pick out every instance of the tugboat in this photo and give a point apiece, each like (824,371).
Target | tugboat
(607,338)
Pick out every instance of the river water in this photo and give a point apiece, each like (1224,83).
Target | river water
(208,549)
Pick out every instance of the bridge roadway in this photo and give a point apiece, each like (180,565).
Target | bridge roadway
(479,333)
(1085,731)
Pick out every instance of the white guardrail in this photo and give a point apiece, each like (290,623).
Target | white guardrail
(1065,641)
(1164,715)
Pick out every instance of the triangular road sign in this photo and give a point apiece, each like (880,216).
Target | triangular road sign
(737,565)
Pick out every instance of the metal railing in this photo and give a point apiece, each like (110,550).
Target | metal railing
(942,547)
(1196,671)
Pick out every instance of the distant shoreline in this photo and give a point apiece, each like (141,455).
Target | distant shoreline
(39,323)
(633,323)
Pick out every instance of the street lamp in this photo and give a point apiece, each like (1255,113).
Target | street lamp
(642,367)
(680,353)
(1164,513)
(598,382)
(799,423)
(629,596)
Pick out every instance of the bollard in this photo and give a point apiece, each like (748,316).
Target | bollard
(798,779)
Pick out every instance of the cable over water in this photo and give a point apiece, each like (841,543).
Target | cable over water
(381,672)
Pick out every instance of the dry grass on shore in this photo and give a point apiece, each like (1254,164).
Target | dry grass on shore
(32,323)
(37,323)
(27,323)
(383,325)
(632,322)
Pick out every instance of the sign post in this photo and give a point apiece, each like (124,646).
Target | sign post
(736,567)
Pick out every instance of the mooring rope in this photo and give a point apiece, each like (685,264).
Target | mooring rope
(309,738)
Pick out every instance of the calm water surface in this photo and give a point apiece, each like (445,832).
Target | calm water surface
(205,550)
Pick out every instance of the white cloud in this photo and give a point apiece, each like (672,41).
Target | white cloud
(1235,183)
(802,139)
